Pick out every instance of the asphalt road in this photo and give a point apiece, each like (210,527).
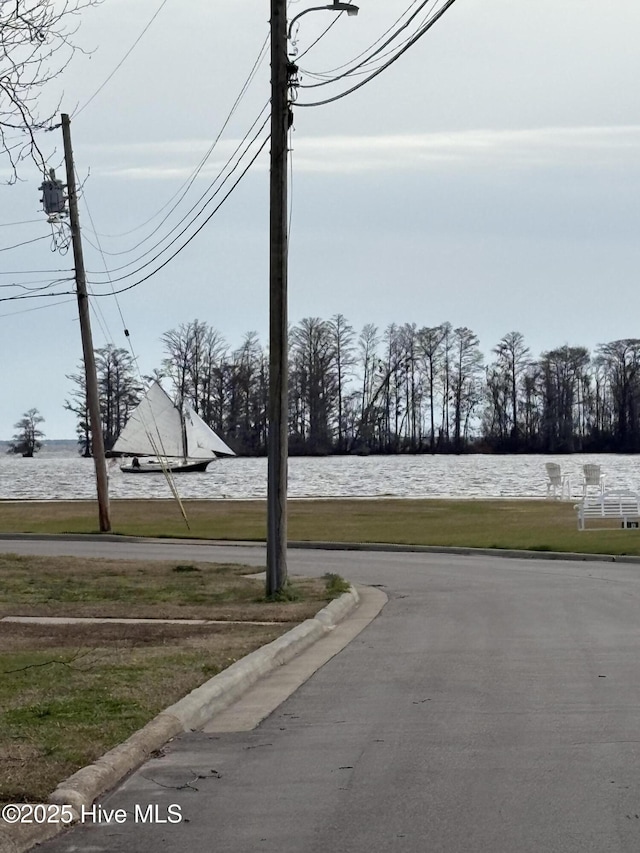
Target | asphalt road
(493,705)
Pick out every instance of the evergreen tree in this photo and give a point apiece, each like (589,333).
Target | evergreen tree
(26,439)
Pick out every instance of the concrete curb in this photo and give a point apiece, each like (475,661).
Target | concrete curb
(389,547)
(189,713)
(465,551)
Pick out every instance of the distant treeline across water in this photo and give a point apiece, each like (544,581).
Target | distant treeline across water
(408,388)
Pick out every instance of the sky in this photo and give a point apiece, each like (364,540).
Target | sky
(489,178)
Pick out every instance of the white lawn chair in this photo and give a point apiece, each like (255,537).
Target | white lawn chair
(592,477)
(558,483)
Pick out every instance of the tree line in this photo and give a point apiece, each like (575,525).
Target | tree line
(403,389)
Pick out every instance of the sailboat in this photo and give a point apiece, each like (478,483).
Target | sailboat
(160,437)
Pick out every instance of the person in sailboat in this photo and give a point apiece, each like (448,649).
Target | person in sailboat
(156,426)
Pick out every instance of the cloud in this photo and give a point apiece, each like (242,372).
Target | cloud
(531,148)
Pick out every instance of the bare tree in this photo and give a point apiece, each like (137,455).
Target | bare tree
(342,336)
(119,394)
(313,383)
(466,367)
(245,403)
(503,381)
(36,45)
(119,390)
(431,349)
(562,371)
(621,360)
(79,405)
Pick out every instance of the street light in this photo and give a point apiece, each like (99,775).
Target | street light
(278,441)
(336,6)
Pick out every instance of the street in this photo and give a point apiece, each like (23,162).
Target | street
(493,705)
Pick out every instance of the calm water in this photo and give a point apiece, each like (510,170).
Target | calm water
(57,477)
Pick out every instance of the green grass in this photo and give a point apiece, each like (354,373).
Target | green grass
(522,524)
(33,581)
(336,585)
(70,692)
(58,717)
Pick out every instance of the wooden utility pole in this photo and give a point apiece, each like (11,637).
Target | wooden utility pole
(91,378)
(278,449)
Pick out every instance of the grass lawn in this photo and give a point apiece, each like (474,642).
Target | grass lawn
(69,693)
(526,524)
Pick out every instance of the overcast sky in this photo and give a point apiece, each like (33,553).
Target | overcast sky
(488,178)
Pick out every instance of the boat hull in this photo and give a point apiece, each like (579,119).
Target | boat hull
(173,467)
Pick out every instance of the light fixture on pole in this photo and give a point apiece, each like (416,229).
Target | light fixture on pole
(282,71)
(336,6)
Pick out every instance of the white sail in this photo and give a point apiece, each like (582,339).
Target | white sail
(154,428)
(202,442)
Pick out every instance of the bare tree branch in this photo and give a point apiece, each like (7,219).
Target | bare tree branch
(36,45)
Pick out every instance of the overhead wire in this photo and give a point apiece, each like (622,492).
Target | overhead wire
(36,308)
(31,272)
(200,227)
(421,32)
(24,286)
(36,295)
(320,37)
(96,306)
(24,222)
(24,243)
(122,61)
(370,54)
(102,321)
(182,192)
(193,220)
(191,209)
(184,188)
(330,71)
(364,67)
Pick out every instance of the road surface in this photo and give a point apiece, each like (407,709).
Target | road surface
(493,706)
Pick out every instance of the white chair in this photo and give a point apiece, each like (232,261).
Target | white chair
(592,477)
(558,483)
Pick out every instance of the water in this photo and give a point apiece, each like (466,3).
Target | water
(59,477)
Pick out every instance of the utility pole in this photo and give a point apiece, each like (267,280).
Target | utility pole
(91,377)
(278,439)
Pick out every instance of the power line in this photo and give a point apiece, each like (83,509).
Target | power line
(369,51)
(177,252)
(124,58)
(24,222)
(191,209)
(174,255)
(102,320)
(45,286)
(36,295)
(25,243)
(320,37)
(191,222)
(184,188)
(96,308)
(424,29)
(31,272)
(36,308)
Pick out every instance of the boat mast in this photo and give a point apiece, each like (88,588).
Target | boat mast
(183,425)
